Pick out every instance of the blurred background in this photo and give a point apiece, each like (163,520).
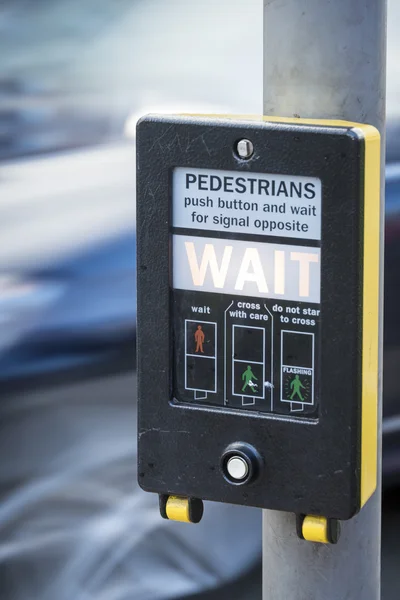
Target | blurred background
(75,75)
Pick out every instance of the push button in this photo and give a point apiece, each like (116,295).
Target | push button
(241,463)
(237,468)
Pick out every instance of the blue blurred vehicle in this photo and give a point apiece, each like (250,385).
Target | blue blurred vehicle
(79,311)
(391,355)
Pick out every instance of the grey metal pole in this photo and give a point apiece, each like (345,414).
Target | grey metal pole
(325,59)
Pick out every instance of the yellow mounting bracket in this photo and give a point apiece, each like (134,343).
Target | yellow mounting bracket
(178,508)
(322,530)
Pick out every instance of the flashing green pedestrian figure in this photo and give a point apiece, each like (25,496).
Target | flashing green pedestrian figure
(247,377)
(296,385)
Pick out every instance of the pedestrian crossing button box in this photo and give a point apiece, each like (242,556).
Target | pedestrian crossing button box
(258,302)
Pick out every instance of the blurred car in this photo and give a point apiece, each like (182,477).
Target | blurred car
(391,353)
(76,312)
(67,266)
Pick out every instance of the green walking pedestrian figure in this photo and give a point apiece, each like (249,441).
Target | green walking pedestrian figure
(247,377)
(296,385)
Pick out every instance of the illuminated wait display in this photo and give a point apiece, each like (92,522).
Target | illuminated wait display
(243,268)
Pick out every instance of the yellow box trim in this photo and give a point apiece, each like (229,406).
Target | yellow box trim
(177,509)
(283,120)
(370,340)
(315,529)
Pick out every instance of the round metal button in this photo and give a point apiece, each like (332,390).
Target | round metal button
(237,467)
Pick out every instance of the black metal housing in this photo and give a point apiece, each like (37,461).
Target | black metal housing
(310,466)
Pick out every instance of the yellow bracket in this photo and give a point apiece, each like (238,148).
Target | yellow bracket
(179,508)
(317,529)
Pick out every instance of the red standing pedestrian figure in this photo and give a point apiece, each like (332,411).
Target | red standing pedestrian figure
(199,338)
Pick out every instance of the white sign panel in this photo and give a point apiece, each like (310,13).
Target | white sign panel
(252,203)
(263,270)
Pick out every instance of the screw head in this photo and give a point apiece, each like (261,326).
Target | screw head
(245,149)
